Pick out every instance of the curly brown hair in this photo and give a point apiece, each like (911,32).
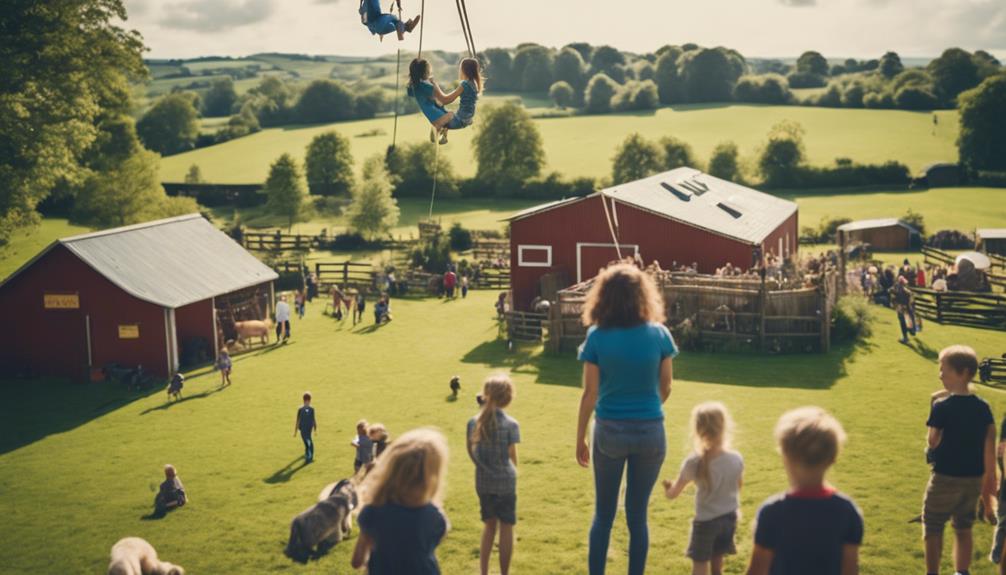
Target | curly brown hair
(623,296)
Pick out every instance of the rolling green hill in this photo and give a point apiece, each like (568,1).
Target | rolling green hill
(584,145)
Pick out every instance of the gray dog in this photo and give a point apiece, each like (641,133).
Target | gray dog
(324,524)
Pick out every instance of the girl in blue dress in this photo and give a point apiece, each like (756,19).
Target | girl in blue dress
(430,98)
(381,23)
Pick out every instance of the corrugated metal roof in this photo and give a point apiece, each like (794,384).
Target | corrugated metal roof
(991,233)
(171,262)
(700,200)
(873,224)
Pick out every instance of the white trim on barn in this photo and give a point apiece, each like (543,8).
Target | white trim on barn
(579,259)
(524,264)
(167,340)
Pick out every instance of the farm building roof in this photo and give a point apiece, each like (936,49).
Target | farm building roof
(874,224)
(171,262)
(700,200)
(991,233)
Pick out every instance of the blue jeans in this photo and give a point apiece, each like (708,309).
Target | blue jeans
(308,445)
(905,330)
(641,444)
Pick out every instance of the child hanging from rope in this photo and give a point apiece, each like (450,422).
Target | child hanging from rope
(382,23)
(470,74)
(430,97)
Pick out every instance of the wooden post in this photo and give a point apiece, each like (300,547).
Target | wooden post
(939,309)
(345,273)
(762,342)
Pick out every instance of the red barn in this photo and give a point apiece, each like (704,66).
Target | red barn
(127,295)
(682,216)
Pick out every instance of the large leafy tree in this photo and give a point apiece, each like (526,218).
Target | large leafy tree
(373,211)
(508,147)
(412,168)
(812,62)
(570,68)
(329,165)
(710,74)
(953,72)
(220,98)
(325,101)
(532,68)
(65,69)
(635,158)
(782,154)
(171,125)
(982,141)
(285,191)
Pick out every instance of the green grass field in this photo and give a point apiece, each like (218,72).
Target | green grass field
(584,145)
(26,243)
(79,464)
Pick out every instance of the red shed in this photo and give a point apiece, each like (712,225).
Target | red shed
(682,216)
(127,295)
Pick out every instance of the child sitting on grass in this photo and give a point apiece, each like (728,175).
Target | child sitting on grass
(717,472)
(962,440)
(811,528)
(171,493)
(402,521)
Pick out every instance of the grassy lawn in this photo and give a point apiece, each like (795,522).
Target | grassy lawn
(584,145)
(26,243)
(94,453)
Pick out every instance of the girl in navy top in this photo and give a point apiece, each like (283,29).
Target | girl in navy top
(402,521)
(626,379)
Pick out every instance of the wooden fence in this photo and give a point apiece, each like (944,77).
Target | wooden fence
(279,241)
(486,249)
(710,312)
(492,278)
(997,260)
(347,274)
(525,327)
(937,257)
(971,309)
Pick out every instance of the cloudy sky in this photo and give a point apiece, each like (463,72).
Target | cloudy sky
(837,28)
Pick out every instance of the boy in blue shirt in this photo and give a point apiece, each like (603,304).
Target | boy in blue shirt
(307,425)
(811,528)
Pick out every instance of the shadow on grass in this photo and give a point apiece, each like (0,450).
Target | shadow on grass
(924,350)
(286,473)
(66,405)
(796,371)
(169,404)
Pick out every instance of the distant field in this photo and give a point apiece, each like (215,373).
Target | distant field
(584,145)
(25,244)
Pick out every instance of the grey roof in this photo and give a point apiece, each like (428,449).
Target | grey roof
(171,262)
(991,233)
(541,208)
(874,224)
(703,201)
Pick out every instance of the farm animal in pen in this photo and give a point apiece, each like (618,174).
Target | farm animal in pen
(134,556)
(325,524)
(253,328)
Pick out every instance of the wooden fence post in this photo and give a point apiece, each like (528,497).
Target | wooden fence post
(939,310)
(345,273)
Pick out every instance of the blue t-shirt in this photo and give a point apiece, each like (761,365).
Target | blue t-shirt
(405,538)
(807,533)
(629,359)
(423,93)
(469,96)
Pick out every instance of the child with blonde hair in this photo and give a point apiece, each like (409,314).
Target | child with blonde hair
(812,528)
(379,435)
(402,520)
(492,440)
(718,473)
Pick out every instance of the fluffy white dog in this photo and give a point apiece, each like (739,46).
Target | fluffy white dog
(134,556)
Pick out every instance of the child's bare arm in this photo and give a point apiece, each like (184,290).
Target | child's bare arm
(934,438)
(361,553)
(666,378)
(439,95)
(453,95)
(850,559)
(591,382)
(761,560)
(989,486)
(673,489)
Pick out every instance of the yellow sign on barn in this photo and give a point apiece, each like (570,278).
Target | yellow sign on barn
(129,331)
(61,301)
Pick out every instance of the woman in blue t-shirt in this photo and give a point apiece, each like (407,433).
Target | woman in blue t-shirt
(627,377)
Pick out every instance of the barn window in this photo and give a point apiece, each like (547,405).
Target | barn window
(534,256)
(683,196)
(734,212)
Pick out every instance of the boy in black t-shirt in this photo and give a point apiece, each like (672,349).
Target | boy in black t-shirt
(962,440)
(811,529)
(306,424)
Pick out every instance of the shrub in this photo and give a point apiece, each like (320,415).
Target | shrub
(433,256)
(460,238)
(851,319)
(600,90)
(846,175)
(350,241)
(677,153)
(724,162)
(853,95)
(635,158)
(951,240)
(878,100)
(561,93)
(916,220)
(767,89)
(412,169)
(915,98)
(831,98)
(806,80)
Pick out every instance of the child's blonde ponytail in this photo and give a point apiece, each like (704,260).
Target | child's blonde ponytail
(497,393)
(711,427)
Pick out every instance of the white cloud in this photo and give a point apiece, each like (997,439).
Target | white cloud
(215,15)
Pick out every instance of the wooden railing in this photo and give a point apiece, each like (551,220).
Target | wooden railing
(971,309)
(279,241)
(937,256)
(347,274)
